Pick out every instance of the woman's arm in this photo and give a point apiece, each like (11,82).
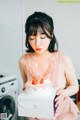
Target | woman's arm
(71,80)
(22,70)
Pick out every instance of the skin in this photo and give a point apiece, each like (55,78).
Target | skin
(66,70)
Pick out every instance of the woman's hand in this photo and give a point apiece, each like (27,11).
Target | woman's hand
(61,94)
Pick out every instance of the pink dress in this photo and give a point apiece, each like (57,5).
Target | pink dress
(67,109)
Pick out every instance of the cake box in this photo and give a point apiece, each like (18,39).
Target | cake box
(39,104)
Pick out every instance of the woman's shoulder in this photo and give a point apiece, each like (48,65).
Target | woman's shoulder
(23,58)
(65,59)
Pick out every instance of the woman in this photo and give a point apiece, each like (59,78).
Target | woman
(43,60)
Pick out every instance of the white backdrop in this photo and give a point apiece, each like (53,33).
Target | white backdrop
(66,17)
(11,37)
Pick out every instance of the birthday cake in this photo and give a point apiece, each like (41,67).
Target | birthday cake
(37,100)
(40,90)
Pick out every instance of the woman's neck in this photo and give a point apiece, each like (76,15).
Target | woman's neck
(44,54)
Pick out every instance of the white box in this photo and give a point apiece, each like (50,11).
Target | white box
(40,106)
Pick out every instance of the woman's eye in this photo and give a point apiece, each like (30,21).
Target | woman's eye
(32,38)
(43,37)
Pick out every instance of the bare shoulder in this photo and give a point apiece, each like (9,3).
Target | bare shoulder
(66,60)
(22,59)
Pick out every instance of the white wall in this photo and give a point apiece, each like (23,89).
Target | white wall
(10,36)
(66,22)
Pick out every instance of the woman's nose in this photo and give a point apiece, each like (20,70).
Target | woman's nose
(38,41)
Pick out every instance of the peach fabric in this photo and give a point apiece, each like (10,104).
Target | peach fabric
(67,109)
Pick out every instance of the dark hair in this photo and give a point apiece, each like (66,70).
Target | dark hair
(45,22)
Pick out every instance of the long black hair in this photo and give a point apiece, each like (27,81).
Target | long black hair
(45,22)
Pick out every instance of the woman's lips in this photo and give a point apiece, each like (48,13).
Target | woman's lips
(38,49)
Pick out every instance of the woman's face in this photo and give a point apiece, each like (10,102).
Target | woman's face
(39,42)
